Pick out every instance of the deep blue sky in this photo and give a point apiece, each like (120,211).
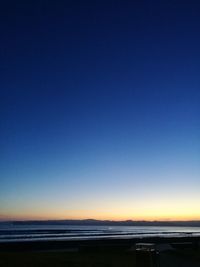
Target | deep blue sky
(100,113)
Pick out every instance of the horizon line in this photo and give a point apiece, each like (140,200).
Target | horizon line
(100,220)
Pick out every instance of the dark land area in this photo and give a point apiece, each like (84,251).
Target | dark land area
(61,258)
(104,257)
(183,252)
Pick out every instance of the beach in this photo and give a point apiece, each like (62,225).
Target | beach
(183,252)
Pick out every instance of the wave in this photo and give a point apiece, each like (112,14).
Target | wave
(32,232)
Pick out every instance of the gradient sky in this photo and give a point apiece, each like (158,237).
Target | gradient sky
(100,110)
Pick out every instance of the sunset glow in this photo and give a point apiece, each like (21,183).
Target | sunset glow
(100,112)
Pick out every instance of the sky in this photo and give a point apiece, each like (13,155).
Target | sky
(100,110)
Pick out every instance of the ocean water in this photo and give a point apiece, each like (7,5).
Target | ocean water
(12,233)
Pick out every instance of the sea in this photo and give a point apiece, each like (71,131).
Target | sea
(13,233)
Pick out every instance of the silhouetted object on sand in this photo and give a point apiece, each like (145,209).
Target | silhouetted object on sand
(147,255)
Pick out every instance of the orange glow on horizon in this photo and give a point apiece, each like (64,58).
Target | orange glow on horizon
(24,217)
(167,210)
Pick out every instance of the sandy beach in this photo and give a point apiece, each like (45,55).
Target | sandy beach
(184,252)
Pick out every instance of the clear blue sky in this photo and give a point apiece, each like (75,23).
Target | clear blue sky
(100,109)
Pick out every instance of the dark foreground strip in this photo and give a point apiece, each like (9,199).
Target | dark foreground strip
(94,244)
